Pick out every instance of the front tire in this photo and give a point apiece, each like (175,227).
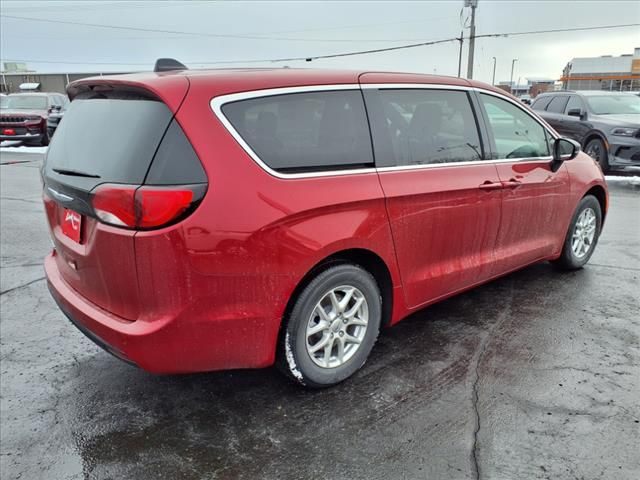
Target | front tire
(582,236)
(332,328)
(597,150)
(45,139)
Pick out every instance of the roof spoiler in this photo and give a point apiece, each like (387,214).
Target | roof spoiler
(167,65)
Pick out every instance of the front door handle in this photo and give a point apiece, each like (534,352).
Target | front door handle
(489,185)
(513,183)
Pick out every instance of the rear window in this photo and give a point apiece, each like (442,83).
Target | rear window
(113,137)
(302,132)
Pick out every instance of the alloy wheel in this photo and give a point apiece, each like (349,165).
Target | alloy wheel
(584,233)
(337,326)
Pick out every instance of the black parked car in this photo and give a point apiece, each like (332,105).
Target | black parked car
(60,105)
(607,124)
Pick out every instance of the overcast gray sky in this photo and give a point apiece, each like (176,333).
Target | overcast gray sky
(313,28)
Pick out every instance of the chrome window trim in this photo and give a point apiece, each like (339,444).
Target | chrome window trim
(218,102)
(455,164)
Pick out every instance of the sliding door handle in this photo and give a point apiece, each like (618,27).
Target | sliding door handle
(511,184)
(489,185)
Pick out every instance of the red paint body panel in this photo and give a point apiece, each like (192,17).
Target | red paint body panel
(210,292)
(102,267)
(534,211)
(444,227)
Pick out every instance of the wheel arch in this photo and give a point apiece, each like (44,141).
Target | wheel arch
(368,260)
(599,192)
(593,134)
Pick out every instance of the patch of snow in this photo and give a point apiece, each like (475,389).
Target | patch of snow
(618,178)
(22,149)
(291,361)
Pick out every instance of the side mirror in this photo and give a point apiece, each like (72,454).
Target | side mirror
(565,149)
(576,112)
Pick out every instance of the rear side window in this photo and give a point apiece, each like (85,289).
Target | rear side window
(175,162)
(516,134)
(558,104)
(542,102)
(303,132)
(426,126)
(110,138)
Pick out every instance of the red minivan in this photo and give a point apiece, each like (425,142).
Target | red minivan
(208,220)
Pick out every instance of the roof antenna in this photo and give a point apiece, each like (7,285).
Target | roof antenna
(168,65)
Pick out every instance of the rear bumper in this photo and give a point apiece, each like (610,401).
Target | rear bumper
(182,343)
(88,333)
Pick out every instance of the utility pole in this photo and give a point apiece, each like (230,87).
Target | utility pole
(472,35)
(493,78)
(513,62)
(461,40)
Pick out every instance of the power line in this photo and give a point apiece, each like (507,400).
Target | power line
(557,30)
(145,4)
(272,60)
(414,45)
(359,52)
(225,35)
(93,5)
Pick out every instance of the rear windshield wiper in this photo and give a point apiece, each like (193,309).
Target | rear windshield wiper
(74,173)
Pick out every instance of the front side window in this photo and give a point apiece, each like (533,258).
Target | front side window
(302,132)
(429,126)
(516,133)
(574,104)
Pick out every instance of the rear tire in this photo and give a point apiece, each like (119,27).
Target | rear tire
(332,328)
(582,236)
(597,150)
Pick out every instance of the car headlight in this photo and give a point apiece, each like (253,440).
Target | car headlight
(624,131)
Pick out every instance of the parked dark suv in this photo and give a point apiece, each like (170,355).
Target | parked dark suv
(607,124)
(25,116)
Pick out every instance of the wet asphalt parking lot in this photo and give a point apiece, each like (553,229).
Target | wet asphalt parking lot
(533,376)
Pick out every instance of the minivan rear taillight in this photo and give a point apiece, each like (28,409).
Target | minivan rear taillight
(144,207)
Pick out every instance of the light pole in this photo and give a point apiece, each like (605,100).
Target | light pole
(461,40)
(513,62)
(472,35)
(493,79)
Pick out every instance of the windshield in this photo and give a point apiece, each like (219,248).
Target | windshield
(614,104)
(24,102)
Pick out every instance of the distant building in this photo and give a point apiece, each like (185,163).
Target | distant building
(533,86)
(603,73)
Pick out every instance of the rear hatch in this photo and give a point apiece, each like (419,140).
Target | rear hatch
(119,163)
